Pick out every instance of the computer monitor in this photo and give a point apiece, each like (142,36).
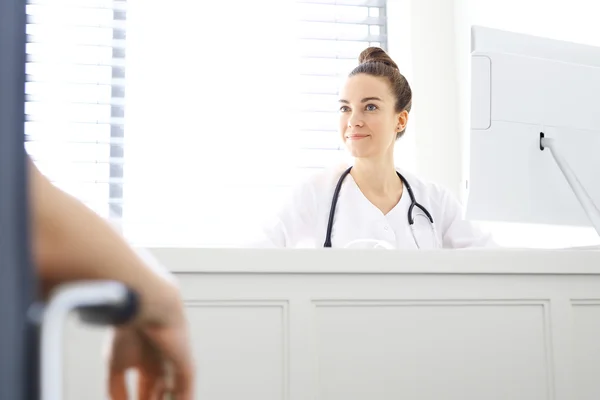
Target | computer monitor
(524,87)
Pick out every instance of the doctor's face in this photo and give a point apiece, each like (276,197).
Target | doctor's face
(368,119)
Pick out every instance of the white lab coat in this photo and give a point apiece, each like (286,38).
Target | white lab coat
(302,221)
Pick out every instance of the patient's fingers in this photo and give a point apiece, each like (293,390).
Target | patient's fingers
(184,384)
(151,374)
(117,386)
(179,367)
(162,391)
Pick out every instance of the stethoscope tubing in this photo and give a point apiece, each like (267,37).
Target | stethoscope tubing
(336,194)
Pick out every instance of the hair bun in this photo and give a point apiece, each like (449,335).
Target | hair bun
(376,54)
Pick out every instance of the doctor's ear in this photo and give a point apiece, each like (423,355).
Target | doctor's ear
(402,122)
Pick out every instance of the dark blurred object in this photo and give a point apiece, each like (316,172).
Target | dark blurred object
(19,353)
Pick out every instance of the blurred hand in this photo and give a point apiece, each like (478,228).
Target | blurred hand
(157,345)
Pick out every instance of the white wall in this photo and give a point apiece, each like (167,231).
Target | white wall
(399,47)
(421,40)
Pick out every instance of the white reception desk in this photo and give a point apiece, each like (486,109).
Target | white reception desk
(380,325)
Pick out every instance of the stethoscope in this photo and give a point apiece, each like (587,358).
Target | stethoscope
(411,220)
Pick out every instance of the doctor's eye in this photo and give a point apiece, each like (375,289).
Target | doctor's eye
(344,109)
(371,107)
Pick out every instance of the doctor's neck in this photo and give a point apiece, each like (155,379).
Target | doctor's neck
(376,175)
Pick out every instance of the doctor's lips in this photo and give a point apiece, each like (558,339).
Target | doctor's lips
(356,136)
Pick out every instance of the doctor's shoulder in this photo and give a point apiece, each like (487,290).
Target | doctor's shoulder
(295,221)
(424,186)
(431,195)
(443,205)
(449,216)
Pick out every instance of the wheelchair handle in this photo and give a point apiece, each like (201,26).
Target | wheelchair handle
(95,302)
(117,312)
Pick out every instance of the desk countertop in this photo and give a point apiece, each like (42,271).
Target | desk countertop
(344,261)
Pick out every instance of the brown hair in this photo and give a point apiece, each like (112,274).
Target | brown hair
(375,61)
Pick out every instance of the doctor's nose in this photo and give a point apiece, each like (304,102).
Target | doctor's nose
(355,120)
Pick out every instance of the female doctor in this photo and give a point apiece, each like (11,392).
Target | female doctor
(371,203)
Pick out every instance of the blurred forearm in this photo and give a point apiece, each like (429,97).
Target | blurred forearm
(70,243)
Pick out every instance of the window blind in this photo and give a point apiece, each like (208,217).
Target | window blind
(75,97)
(218,128)
(332,34)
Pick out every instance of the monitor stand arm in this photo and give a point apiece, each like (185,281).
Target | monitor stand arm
(584,198)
